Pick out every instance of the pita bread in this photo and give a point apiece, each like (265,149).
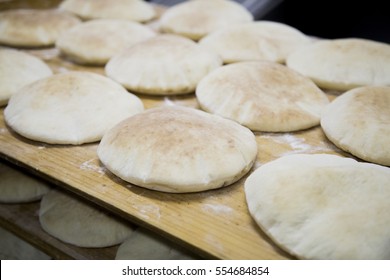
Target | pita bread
(96,41)
(178,149)
(195,19)
(261,40)
(70,108)
(18,187)
(263,96)
(18,69)
(323,206)
(162,65)
(344,64)
(33,28)
(79,223)
(135,10)
(359,122)
(144,245)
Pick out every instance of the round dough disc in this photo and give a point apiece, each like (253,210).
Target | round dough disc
(195,19)
(178,149)
(263,96)
(96,41)
(144,245)
(162,65)
(358,122)
(34,28)
(260,40)
(17,187)
(70,108)
(323,206)
(18,69)
(79,223)
(343,64)
(134,10)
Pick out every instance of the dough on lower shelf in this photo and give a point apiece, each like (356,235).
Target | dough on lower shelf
(70,108)
(18,187)
(178,149)
(323,206)
(145,245)
(263,96)
(359,122)
(80,223)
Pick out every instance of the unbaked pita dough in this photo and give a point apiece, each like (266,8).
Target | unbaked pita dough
(343,64)
(359,122)
(323,206)
(135,10)
(144,245)
(263,96)
(96,41)
(79,223)
(178,149)
(18,69)
(261,40)
(195,19)
(70,108)
(18,187)
(33,28)
(162,65)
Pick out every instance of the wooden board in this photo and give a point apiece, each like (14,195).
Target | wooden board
(214,224)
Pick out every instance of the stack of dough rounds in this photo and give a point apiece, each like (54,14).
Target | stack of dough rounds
(263,96)
(96,41)
(18,69)
(196,18)
(178,149)
(255,41)
(144,245)
(70,108)
(79,223)
(17,187)
(343,64)
(34,28)
(135,10)
(323,206)
(359,122)
(162,65)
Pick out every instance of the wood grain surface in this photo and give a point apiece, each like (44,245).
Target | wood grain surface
(215,224)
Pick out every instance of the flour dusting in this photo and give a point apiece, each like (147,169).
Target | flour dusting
(89,165)
(148,211)
(168,102)
(217,208)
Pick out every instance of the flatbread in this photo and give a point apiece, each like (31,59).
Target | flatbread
(70,108)
(135,10)
(263,96)
(18,69)
(96,41)
(162,65)
(196,18)
(323,206)
(359,122)
(79,223)
(178,149)
(18,187)
(33,28)
(260,40)
(145,245)
(343,64)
